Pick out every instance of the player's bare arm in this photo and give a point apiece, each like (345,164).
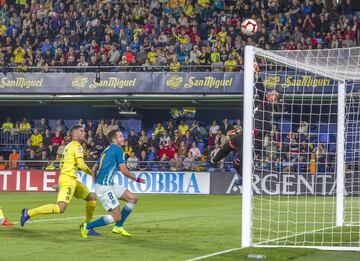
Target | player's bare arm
(126,172)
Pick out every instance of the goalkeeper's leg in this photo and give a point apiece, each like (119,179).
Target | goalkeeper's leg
(221,154)
(238,167)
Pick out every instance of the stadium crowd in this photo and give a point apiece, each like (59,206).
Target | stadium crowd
(163,35)
(174,145)
(168,146)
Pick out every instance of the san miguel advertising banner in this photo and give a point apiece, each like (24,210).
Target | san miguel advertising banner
(122,82)
(156,182)
(286,184)
(159,82)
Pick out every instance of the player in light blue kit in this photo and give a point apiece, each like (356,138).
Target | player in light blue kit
(108,193)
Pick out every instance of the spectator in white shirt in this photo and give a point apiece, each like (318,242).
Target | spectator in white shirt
(132,161)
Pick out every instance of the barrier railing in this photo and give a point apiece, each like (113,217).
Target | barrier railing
(14,136)
(133,166)
(122,68)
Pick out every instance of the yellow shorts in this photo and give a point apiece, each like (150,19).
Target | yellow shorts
(69,187)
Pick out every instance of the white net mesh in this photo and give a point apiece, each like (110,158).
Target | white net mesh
(295,148)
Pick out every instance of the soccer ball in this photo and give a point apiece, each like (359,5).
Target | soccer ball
(249,27)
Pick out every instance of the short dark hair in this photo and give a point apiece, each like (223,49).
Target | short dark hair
(76,127)
(112,134)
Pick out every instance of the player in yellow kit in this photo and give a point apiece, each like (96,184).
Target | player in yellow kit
(69,187)
(3,220)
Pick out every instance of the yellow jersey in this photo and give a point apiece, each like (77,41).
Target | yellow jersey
(36,139)
(73,153)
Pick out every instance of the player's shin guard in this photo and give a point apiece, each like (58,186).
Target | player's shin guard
(125,212)
(222,153)
(90,208)
(45,209)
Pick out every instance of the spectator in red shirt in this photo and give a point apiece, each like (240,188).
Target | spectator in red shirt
(57,139)
(170,149)
(161,151)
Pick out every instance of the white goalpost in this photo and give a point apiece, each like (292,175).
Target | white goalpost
(301,149)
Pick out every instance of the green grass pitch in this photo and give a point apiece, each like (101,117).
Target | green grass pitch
(164,227)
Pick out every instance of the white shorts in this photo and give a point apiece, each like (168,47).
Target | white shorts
(109,195)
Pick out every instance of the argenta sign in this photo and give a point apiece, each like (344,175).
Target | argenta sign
(286,184)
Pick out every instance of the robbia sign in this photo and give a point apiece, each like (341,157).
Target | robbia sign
(286,184)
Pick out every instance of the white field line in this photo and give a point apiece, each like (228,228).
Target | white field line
(53,219)
(214,254)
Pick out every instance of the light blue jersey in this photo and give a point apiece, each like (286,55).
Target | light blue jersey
(108,163)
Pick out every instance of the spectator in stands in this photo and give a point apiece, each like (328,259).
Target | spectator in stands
(36,138)
(159,129)
(195,151)
(39,149)
(188,139)
(226,126)
(51,151)
(183,127)
(89,137)
(82,123)
(113,125)
(183,150)
(42,126)
(176,138)
(14,159)
(176,163)
(170,149)
(3,163)
(100,141)
(189,162)
(47,137)
(127,149)
(57,139)
(139,148)
(102,127)
(217,65)
(132,161)
(60,127)
(144,138)
(154,141)
(7,130)
(32,157)
(170,128)
(313,164)
(92,151)
(164,139)
(44,158)
(213,129)
(195,130)
(220,138)
(60,150)
(133,138)
(160,152)
(91,127)
(25,126)
(143,165)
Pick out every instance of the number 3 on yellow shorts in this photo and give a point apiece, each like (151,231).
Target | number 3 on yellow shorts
(69,187)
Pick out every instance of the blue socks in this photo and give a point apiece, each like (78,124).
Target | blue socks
(102,221)
(125,212)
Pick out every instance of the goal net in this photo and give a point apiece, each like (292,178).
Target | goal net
(301,168)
